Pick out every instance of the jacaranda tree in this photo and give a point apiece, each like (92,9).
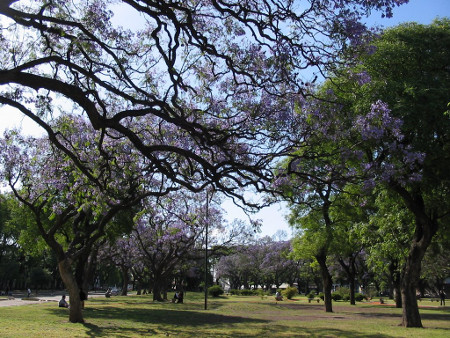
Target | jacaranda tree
(204,90)
(218,76)
(168,232)
(72,211)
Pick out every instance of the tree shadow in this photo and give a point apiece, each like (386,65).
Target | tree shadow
(274,331)
(170,321)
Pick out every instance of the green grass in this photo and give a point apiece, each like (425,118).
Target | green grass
(233,316)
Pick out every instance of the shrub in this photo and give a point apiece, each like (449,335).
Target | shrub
(359,297)
(336,296)
(247,292)
(311,295)
(290,292)
(263,294)
(322,295)
(346,298)
(235,292)
(215,291)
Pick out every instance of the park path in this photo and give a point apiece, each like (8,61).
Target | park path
(17,299)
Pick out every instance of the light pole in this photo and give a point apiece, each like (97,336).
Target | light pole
(206,250)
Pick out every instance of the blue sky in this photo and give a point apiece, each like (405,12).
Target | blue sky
(421,11)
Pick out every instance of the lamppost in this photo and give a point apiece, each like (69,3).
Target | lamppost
(206,250)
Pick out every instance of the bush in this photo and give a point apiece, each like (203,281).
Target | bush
(262,293)
(322,295)
(359,297)
(215,291)
(247,292)
(235,292)
(311,295)
(290,292)
(336,296)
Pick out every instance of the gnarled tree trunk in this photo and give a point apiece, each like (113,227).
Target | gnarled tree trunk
(426,227)
(75,311)
(126,279)
(157,288)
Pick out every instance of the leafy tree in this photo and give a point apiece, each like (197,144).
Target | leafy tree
(378,134)
(39,278)
(277,267)
(203,89)
(387,238)
(406,71)
(218,77)
(166,234)
(348,215)
(314,242)
(436,265)
(71,212)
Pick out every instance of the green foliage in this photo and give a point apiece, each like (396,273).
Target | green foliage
(336,296)
(290,292)
(263,294)
(359,297)
(39,277)
(215,291)
(311,295)
(247,292)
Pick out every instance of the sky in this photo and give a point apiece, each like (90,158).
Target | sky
(273,218)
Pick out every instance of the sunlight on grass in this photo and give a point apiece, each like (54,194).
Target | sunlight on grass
(232,316)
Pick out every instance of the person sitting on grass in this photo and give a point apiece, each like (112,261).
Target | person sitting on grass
(63,302)
(178,297)
(278,296)
(175,297)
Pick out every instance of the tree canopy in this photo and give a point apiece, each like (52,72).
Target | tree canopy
(214,75)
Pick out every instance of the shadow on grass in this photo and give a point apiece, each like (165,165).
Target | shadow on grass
(275,330)
(119,321)
(429,315)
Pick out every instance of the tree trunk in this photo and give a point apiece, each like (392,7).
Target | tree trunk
(425,230)
(410,313)
(398,296)
(395,279)
(396,284)
(350,270)
(89,270)
(126,279)
(426,226)
(157,287)
(327,282)
(75,312)
(409,283)
(352,291)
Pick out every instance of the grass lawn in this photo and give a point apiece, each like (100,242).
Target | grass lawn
(232,316)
